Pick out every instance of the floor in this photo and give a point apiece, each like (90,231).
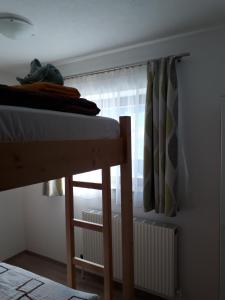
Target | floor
(57,272)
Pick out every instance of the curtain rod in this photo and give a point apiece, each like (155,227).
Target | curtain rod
(178,57)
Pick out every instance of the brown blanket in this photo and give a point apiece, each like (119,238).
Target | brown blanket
(13,96)
(52,88)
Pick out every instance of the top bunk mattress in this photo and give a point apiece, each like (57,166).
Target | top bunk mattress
(26,124)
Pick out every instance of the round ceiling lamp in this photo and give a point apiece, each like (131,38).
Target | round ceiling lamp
(15,27)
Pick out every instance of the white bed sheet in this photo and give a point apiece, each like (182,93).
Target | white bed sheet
(25,124)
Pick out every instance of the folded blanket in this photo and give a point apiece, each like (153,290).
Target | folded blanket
(52,88)
(41,100)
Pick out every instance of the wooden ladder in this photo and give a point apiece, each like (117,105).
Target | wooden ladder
(105,228)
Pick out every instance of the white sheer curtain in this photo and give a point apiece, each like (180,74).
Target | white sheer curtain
(118,93)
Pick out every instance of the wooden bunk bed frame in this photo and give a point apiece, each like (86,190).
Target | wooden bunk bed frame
(25,163)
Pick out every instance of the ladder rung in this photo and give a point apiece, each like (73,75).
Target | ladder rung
(88,225)
(88,265)
(88,185)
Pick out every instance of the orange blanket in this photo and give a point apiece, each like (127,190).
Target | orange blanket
(51,88)
(47,101)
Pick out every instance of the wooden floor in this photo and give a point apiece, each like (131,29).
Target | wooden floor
(57,272)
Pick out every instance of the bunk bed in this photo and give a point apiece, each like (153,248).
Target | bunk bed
(29,160)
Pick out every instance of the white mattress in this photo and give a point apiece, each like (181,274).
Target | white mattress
(25,124)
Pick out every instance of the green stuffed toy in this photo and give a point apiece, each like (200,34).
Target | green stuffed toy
(39,73)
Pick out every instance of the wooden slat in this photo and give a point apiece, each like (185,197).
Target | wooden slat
(127,212)
(88,265)
(87,185)
(70,232)
(24,163)
(88,225)
(107,234)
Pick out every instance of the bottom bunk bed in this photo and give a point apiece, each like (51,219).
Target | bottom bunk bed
(18,284)
(80,147)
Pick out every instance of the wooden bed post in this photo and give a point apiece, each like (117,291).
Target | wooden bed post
(70,232)
(107,234)
(127,211)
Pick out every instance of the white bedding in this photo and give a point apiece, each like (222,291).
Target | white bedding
(26,124)
(18,284)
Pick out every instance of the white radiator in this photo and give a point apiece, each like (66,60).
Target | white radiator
(155,252)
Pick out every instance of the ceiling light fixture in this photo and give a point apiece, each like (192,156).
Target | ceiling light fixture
(15,27)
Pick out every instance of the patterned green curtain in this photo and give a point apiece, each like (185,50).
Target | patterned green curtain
(160,143)
(54,188)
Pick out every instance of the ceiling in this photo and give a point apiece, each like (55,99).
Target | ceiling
(73,28)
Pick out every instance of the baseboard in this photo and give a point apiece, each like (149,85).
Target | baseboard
(46,258)
(14,256)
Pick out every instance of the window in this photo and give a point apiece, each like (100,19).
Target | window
(119,93)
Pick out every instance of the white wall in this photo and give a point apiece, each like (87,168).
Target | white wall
(12,231)
(45,223)
(202,81)
(7,78)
